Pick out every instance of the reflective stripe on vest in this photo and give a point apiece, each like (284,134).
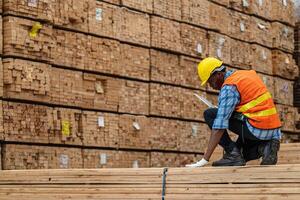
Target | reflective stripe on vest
(263,113)
(255,102)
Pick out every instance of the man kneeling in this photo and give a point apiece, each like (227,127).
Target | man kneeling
(246,108)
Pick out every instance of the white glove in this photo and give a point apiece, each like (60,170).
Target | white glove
(200,163)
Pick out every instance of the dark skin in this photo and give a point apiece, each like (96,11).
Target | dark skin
(215,81)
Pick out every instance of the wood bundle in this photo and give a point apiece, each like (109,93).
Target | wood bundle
(40,157)
(262,59)
(169,9)
(174,69)
(115,159)
(284,65)
(18,41)
(174,102)
(283,91)
(194,12)
(269,182)
(106,58)
(177,102)
(44,83)
(161,29)
(220,46)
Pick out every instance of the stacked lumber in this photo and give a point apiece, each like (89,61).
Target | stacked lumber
(107,76)
(253,182)
(25,156)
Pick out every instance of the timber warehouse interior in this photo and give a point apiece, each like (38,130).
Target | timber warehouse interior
(97,97)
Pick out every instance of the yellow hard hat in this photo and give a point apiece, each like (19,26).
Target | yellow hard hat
(206,67)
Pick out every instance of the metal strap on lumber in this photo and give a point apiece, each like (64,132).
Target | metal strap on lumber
(164,183)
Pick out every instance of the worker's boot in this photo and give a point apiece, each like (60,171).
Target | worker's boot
(268,151)
(232,158)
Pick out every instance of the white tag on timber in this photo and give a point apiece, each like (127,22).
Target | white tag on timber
(136,126)
(99,87)
(194,130)
(103,159)
(263,55)
(242,26)
(199,48)
(245,3)
(219,53)
(221,41)
(285,88)
(265,80)
(284,2)
(101,121)
(32,3)
(261,26)
(98,14)
(63,161)
(285,32)
(287,60)
(135,164)
(260,3)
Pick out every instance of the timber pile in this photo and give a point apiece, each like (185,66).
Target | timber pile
(268,182)
(102,79)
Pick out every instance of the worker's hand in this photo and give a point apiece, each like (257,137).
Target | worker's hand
(200,163)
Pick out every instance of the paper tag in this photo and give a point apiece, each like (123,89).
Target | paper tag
(219,53)
(103,159)
(221,41)
(63,161)
(32,3)
(136,126)
(242,26)
(263,55)
(99,14)
(285,32)
(99,87)
(260,2)
(194,130)
(199,48)
(35,29)
(284,2)
(261,26)
(65,128)
(285,88)
(101,121)
(287,60)
(265,80)
(135,164)
(245,3)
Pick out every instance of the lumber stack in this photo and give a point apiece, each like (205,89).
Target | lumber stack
(276,182)
(114,80)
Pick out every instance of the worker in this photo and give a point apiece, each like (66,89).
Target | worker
(246,108)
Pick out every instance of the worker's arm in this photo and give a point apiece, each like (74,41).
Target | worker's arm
(228,99)
(213,142)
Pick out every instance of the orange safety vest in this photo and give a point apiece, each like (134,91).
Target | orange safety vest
(256,102)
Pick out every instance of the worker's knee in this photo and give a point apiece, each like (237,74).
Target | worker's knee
(210,114)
